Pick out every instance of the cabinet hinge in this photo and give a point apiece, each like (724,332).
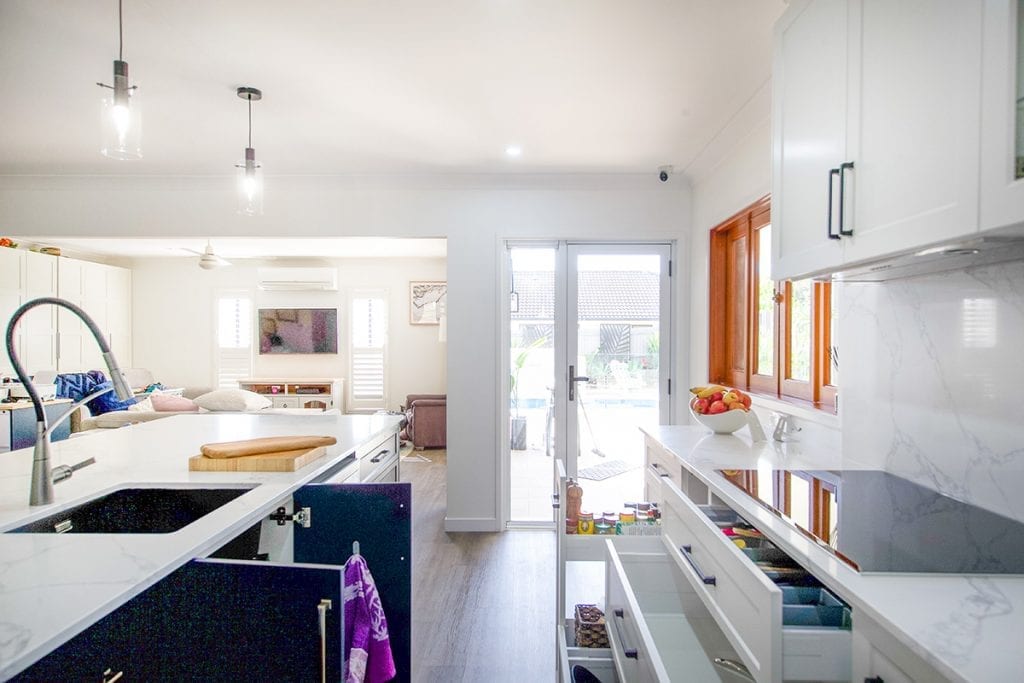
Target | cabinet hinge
(301,516)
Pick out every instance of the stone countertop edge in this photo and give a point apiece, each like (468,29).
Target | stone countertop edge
(53,586)
(967,627)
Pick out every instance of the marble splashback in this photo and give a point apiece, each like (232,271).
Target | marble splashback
(933,381)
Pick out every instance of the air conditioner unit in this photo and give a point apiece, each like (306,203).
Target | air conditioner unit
(298,279)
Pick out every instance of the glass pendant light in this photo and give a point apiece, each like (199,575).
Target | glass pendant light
(122,125)
(250,172)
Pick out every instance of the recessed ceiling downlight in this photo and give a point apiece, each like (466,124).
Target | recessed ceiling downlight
(513,151)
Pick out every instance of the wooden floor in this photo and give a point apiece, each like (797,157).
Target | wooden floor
(483,603)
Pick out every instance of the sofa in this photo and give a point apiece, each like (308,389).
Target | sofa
(427,420)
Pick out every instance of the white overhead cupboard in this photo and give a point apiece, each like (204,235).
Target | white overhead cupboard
(876,129)
(52,339)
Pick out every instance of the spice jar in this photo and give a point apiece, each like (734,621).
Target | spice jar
(627,516)
(603,528)
(586,523)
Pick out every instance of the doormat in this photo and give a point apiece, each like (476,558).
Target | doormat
(605,470)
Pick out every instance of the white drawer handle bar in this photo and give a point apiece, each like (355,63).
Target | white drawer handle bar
(688,555)
(619,615)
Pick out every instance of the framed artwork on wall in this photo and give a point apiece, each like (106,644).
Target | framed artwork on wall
(426,302)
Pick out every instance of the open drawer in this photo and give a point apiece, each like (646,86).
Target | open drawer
(658,628)
(596,660)
(779,633)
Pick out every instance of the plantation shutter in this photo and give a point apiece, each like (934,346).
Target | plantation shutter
(369,332)
(234,339)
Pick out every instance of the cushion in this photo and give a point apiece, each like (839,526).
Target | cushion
(145,405)
(168,403)
(232,399)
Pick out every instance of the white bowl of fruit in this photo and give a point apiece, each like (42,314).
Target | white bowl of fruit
(720,409)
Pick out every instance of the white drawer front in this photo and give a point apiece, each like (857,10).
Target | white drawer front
(663,462)
(629,650)
(744,602)
(375,459)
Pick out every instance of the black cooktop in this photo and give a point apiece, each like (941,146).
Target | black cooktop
(879,522)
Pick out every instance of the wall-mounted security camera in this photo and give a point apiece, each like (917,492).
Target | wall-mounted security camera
(663,173)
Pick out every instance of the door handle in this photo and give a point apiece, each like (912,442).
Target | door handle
(832,173)
(573,378)
(843,167)
(377,458)
(321,618)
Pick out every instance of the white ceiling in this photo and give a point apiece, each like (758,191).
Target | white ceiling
(382,87)
(253,248)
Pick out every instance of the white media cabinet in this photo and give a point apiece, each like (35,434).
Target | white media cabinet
(299,393)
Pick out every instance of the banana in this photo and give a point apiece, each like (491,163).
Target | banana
(707,391)
(697,390)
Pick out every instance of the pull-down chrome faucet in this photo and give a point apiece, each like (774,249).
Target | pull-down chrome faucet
(41,492)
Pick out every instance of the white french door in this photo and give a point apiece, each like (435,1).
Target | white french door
(590,355)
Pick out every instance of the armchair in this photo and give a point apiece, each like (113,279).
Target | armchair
(427,417)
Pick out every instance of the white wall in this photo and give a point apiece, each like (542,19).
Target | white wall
(474,212)
(174,322)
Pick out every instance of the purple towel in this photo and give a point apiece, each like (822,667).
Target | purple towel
(367,648)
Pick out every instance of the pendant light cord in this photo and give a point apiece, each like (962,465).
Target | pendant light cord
(120,33)
(250,120)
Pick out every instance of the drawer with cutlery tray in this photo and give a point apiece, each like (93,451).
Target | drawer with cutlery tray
(783,623)
(658,627)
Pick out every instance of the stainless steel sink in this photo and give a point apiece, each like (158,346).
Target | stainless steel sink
(135,511)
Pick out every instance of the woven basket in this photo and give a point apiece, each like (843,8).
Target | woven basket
(590,628)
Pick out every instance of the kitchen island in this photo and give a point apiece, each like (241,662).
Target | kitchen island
(935,626)
(53,586)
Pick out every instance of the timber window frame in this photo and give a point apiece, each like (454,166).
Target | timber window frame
(737,318)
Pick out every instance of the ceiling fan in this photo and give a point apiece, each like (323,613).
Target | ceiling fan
(207,259)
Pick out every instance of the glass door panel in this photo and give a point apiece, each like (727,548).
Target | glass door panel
(618,343)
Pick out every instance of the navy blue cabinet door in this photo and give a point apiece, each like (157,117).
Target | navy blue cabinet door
(23,425)
(379,517)
(213,620)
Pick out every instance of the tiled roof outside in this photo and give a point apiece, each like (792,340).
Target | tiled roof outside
(604,295)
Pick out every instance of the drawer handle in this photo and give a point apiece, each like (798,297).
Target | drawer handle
(379,456)
(658,470)
(688,554)
(733,666)
(619,615)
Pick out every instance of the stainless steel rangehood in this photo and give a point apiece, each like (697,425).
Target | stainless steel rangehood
(980,251)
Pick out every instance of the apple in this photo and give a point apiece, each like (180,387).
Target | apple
(717,396)
(746,401)
(717,407)
(701,406)
(738,405)
(730,397)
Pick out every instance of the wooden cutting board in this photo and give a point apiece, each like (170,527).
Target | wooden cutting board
(284,461)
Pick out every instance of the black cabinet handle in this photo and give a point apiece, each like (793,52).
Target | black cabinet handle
(832,173)
(874,679)
(620,616)
(843,167)
(688,554)
(377,458)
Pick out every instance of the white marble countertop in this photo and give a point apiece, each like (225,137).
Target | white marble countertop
(53,586)
(968,627)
